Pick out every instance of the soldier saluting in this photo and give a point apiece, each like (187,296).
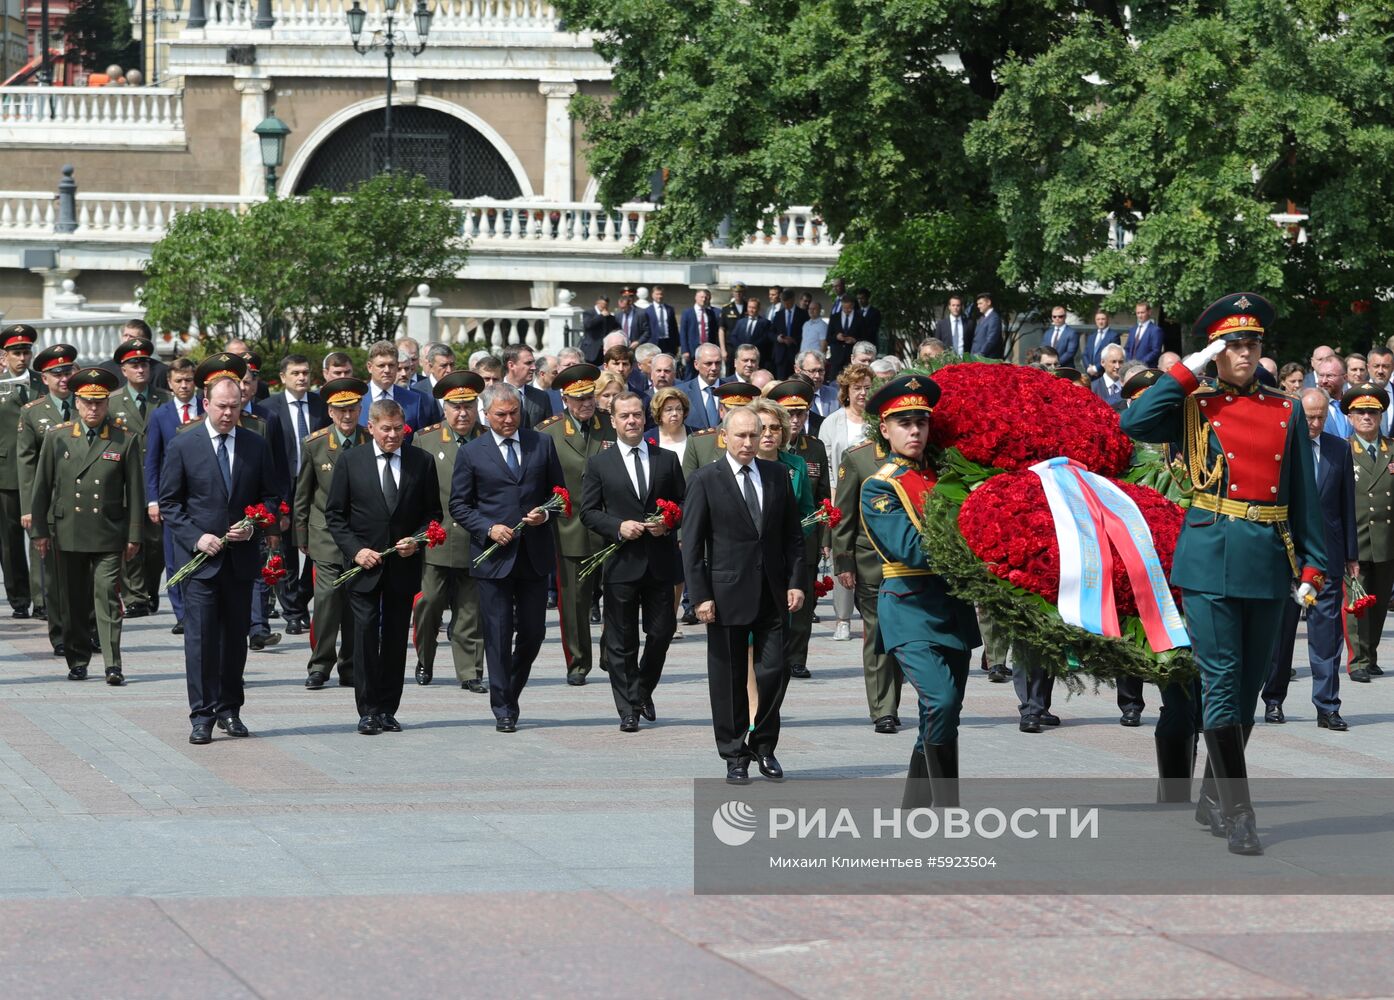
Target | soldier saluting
(89,504)
(1254,526)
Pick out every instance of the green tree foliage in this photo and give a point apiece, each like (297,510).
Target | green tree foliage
(314,269)
(100,32)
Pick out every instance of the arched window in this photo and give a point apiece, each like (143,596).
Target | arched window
(450,154)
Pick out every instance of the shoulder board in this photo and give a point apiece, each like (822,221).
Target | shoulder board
(1206,389)
(427,430)
(322,432)
(548,422)
(859,447)
(35,402)
(887,471)
(704,432)
(66,423)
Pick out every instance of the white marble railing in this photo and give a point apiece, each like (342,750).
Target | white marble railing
(450,15)
(25,213)
(142,217)
(95,338)
(497,327)
(50,116)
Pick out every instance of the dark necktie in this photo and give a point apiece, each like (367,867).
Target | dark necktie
(752,502)
(67,411)
(140,404)
(224,463)
(389,485)
(302,429)
(23,395)
(639,474)
(512,457)
(91,434)
(1373,452)
(712,415)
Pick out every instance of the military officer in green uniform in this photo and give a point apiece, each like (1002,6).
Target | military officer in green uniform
(706,446)
(445,579)
(89,505)
(19,386)
(858,568)
(319,452)
(929,631)
(1254,529)
(796,396)
(578,433)
(38,417)
(1374,522)
(131,407)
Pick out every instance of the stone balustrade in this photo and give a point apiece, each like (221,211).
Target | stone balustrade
(450,15)
(67,116)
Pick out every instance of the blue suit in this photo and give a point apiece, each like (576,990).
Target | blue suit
(987,336)
(690,331)
(159,432)
(411,403)
(512,582)
(1066,343)
(663,327)
(700,417)
(1145,344)
(1091,348)
(218,596)
(432,411)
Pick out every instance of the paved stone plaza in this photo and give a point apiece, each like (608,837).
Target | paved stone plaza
(451,860)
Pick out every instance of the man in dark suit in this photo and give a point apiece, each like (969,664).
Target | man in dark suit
(1109,386)
(1061,338)
(632,321)
(787,332)
(988,341)
(701,324)
(440,362)
(753,329)
(210,475)
(620,490)
(743,561)
(164,422)
(503,478)
(1145,341)
(871,321)
(705,410)
(382,374)
(296,413)
(519,367)
(381,498)
(1091,347)
(1335,471)
(955,330)
(595,324)
(662,323)
(844,331)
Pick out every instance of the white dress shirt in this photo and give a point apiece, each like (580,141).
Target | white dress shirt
(627,451)
(754,478)
(394,463)
(231,444)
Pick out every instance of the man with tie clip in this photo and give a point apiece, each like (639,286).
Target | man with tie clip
(1061,337)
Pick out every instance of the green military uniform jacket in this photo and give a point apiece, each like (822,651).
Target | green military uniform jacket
(90,496)
(124,409)
(914,605)
(1258,437)
(574,539)
(36,419)
(1374,500)
(852,548)
(318,455)
(439,442)
(815,456)
(14,396)
(703,448)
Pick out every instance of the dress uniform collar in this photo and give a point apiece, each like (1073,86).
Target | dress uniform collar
(906,463)
(1238,390)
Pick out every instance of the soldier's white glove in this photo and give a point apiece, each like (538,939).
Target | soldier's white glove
(1305,595)
(1197,361)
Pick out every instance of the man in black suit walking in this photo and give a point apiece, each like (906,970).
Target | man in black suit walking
(844,330)
(787,333)
(379,499)
(743,561)
(621,488)
(503,478)
(595,324)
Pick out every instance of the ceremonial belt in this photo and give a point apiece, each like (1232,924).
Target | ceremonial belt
(895,569)
(1262,513)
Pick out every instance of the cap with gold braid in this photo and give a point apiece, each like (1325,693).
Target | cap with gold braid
(907,394)
(19,337)
(576,381)
(93,384)
(253,363)
(735,393)
(1139,382)
(460,387)
(792,394)
(55,360)
(218,366)
(138,349)
(344,392)
(1238,316)
(1366,396)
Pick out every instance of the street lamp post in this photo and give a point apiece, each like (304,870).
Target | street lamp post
(389,37)
(272,132)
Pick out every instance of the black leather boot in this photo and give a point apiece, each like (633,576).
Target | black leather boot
(1176,766)
(1226,748)
(943,773)
(919,794)
(1208,801)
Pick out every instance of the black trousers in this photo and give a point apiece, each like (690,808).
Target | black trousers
(508,606)
(1130,693)
(217,611)
(727,651)
(295,590)
(14,551)
(381,630)
(632,676)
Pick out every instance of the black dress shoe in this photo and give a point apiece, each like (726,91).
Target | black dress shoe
(389,724)
(629,724)
(1030,724)
(77,673)
(315,681)
(368,725)
(201,733)
(20,613)
(1360,675)
(689,618)
(506,726)
(41,614)
(137,610)
(263,639)
(115,678)
(648,711)
(424,674)
(178,629)
(1332,721)
(1132,718)
(1049,719)
(346,680)
(60,650)
(476,685)
(998,674)
(1274,713)
(576,680)
(738,772)
(232,725)
(1374,671)
(799,671)
(770,768)
(885,726)
(595,616)
(294,627)
(551,602)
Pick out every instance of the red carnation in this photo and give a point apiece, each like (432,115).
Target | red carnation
(285,509)
(823,587)
(671,512)
(435,535)
(565,497)
(258,514)
(274,571)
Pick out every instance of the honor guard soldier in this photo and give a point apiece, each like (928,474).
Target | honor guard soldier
(445,578)
(796,396)
(38,417)
(929,631)
(89,504)
(578,433)
(1253,529)
(320,451)
(1374,523)
(18,386)
(706,446)
(131,407)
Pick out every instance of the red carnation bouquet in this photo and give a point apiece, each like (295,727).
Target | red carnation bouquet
(1358,601)
(433,535)
(274,571)
(256,516)
(825,513)
(558,502)
(823,587)
(668,514)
